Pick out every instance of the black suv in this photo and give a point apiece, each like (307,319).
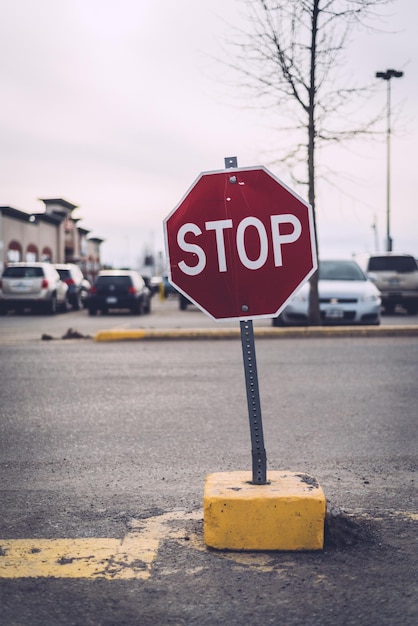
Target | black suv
(119,289)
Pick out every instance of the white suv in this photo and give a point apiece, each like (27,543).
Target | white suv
(32,286)
(396,276)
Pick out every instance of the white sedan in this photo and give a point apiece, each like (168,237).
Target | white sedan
(346,296)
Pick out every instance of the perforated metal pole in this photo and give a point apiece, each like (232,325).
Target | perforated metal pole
(253,400)
(258,452)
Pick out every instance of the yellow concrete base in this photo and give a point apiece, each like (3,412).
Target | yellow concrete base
(288,513)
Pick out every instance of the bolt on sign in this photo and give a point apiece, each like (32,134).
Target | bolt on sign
(240,243)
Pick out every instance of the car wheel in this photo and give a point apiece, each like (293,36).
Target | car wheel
(183,303)
(77,304)
(64,307)
(92,311)
(277,321)
(138,308)
(51,307)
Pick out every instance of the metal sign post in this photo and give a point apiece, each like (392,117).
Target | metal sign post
(253,400)
(258,452)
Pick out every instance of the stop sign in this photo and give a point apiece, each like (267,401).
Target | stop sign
(240,243)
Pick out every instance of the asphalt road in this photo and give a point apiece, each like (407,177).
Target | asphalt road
(111,442)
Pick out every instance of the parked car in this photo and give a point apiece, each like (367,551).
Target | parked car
(119,289)
(183,302)
(346,296)
(78,286)
(35,286)
(161,285)
(156,284)
(396,276)
(147,281)
(169,289)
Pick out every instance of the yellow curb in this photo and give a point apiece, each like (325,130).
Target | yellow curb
(178,333)
(288,513)
(262,333)
(339,331)
(118,335)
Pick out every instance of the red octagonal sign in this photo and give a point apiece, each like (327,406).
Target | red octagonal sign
(240,243)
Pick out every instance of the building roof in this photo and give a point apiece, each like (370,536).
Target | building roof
(60,202)
(96,239)
(15,213)
(52,218)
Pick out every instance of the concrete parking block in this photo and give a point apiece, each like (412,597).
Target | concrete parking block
(288,513)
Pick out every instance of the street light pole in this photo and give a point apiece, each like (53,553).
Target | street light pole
(387,76)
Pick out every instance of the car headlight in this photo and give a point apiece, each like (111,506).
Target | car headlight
(371,298)
(299,297)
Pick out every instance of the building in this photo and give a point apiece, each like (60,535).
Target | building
(54,236)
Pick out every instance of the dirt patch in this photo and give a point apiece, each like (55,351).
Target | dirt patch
(344,529)
(70,334)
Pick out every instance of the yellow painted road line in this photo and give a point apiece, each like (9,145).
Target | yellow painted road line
(112,559)
(131,557)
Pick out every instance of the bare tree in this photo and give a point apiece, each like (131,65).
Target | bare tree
(292,55)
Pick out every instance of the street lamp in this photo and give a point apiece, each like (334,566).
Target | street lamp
(387,76)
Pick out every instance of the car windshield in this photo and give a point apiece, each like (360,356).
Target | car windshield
(64,274)
(392,264)
(340,270)
(23,272)
(118,281)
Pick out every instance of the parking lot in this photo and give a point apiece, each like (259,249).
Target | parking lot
(104,452)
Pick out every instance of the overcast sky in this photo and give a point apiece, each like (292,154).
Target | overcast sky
(118,105)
